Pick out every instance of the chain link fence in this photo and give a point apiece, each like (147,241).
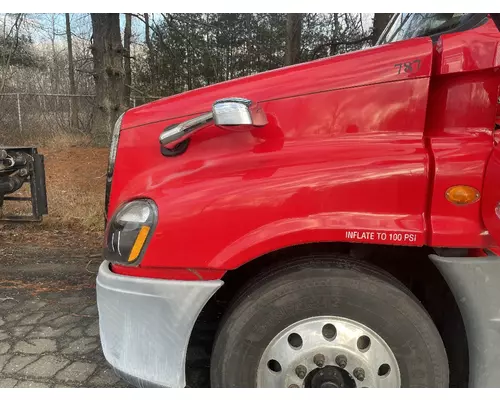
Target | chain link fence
(39,117)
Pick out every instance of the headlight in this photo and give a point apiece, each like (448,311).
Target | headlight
(129,232)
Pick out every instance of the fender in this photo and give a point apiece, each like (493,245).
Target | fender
(328,227)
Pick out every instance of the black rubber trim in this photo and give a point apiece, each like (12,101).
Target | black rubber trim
(179,149)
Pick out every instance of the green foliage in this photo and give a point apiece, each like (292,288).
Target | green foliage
(189,51)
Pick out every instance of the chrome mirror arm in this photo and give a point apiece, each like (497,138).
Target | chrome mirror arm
(175,134)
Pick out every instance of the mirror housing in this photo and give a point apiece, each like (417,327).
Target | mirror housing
(229,113)
(235,111)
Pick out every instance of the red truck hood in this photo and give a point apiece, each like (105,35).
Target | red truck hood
(358,68)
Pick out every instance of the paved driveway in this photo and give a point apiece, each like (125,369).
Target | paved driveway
(49,333)
(49,337)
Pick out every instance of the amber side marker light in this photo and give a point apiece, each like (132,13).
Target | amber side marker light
(462,195)
(139,243)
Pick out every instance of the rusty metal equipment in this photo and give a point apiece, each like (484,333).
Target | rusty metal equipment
(21,166)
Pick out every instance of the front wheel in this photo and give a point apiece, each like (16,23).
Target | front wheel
(327,322)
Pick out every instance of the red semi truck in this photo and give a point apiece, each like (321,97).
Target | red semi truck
(346,210)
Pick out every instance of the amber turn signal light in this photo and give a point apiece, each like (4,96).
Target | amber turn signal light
(139,243)
(462,195)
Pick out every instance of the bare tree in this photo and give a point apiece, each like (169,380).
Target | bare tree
(148,36)
(128,70)
(380,21)
(71,74)
(107,54)
(293,33)
(150,49)
(10,43)
(55,65)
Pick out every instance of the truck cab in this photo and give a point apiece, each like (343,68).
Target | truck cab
(345,211)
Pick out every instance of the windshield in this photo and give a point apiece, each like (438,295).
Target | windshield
(408,26)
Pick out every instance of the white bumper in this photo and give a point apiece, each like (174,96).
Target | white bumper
(145,325)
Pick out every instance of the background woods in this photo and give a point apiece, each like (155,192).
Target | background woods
(73,74)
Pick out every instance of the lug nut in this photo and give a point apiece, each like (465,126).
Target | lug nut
(293,386)
(341,360)
(301,371)
(319,360)
(359,374)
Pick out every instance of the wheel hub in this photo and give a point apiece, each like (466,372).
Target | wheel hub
(329,377)
(328,352)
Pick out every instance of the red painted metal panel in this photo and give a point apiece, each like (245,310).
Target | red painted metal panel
(461,117)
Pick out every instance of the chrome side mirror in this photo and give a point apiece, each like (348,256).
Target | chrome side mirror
(237,111)
(226,113)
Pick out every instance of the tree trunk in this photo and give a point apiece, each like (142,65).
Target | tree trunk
(128,70)
(336,35)
(107,54)
(148,37)
(73,118)
(293,33)
(380,21)
(55,66)
(150,52)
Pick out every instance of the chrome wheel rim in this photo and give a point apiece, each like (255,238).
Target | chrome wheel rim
(328,352)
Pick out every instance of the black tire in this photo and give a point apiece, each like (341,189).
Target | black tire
(327,285)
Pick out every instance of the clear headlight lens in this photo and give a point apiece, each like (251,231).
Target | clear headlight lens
(135,212)
(129,231)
